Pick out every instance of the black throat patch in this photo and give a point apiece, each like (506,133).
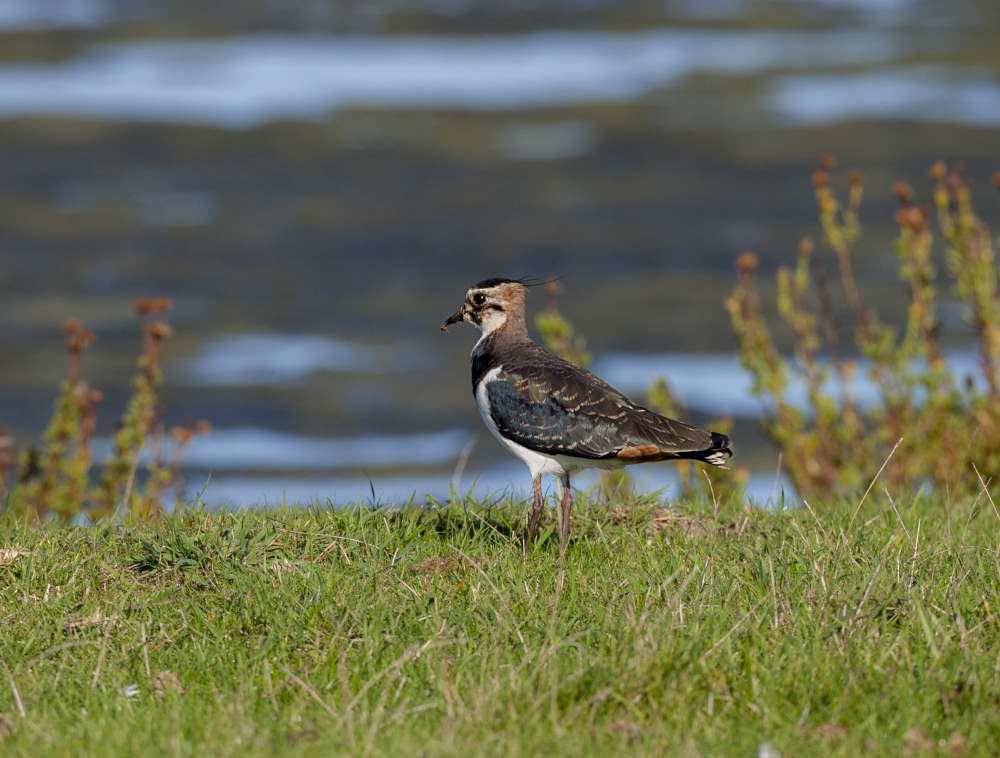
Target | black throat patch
(484,358)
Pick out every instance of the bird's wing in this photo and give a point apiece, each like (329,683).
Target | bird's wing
(554,407)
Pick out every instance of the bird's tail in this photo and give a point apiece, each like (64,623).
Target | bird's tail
(717,455)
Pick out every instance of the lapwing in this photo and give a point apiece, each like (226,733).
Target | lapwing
(557,417)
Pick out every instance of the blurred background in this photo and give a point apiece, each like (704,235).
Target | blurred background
(315,183)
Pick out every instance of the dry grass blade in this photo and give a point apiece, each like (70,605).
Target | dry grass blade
(123,505)
(103,654)
(461,463)
(15,692)
(145,651)
(732,630)
(986,490)
(414,651)
(873,482)
(311,691)
(500,596)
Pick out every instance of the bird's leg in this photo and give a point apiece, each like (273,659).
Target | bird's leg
(565,508)
(531,533)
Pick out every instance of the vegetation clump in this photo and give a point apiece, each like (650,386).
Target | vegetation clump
(53,479)
(927,424)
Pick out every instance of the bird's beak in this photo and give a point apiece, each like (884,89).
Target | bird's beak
(455,318)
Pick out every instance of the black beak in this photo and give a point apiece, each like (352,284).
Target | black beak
(455,318)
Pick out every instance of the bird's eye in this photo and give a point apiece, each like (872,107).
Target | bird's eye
(479,299)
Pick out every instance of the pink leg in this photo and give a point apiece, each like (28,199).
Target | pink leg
(565,509)
(531,534)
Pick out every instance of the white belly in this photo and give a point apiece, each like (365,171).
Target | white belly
(539,464)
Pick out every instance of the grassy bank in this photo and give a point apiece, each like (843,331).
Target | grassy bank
(685,632)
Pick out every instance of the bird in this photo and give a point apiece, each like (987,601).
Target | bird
(556,417)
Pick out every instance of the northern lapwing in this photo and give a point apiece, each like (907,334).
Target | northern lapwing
(556,417)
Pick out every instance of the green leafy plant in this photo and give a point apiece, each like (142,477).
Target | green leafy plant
(556,331)
(927,425)
(54,478)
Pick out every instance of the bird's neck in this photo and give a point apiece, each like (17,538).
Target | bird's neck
(508,330)
(491,346)
(513,329)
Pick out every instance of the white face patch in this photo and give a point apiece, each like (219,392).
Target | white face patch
(490,318)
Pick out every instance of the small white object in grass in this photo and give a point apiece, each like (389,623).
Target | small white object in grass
(767,750)
(130,691)
(10,554)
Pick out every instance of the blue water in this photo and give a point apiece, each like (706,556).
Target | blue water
(58,14)
(717,384)
(916,93)
(250,448)
(497,482)
(241,82)
(271,359)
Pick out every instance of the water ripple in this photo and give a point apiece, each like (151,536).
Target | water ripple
(244,81)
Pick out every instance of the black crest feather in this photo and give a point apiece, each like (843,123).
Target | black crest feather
(524,281)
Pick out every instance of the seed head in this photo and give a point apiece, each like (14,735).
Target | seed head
(806,246)
(820,179)
(78,338)
(6,451)
(912,217)
(747,262)
(87,397)
(149,306)
(181,434)
(828,161)
(939,170)
(160,330)
(956,179)
(903,192)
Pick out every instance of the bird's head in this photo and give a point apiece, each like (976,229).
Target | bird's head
(493,304)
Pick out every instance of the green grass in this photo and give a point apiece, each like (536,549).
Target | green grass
(426,632)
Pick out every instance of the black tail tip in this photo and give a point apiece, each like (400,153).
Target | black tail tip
(720,452)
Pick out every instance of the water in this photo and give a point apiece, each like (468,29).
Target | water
(269,359)
(709,383)
(716,384)
(491,484)
(919,93)
(60,14)
(47,14)
(244,449)
(240,82)
(546,142)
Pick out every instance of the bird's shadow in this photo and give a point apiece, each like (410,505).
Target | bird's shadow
(501,527)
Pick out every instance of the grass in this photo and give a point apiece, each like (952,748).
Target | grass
(691,631)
